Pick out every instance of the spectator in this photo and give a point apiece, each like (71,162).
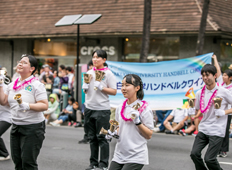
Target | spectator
(63,86)
(180,117)
(47,74)
(56,80)
(64,114)
(53,108)
(45,69)
(70,76)
(161,119)
(75,116)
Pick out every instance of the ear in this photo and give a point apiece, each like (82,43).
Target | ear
(137,88)
(104,59)
(32,69)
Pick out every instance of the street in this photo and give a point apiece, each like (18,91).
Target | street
(61,151)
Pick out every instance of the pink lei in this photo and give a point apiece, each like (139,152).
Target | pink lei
(15,87)
(101,69)
(145,104)
(202,100)
(228,86)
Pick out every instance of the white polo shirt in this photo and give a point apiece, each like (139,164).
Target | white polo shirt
(5,113)
(96,99)
(210,124)
(131,146)
(31,93)
(179,114)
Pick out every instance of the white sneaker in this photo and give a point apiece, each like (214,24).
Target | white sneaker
(54,124)
(158,125)
(4,158)
(155,130)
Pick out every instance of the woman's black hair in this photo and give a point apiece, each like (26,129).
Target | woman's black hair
(32,60)
(62,66)
(102,54)
(229,73)
(71,99)
(135,81)
(209,68)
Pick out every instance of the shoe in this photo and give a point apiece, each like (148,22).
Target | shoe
(69,123)
(74,124)
(83,141)
(54,124)
(4,158)
(91,167)
(182,132)
(101,168)
(158,125)
(155,130)
(195,133)
(78,125)
(223,154)
(169,132)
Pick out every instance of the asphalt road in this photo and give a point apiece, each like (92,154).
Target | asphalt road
(61,151)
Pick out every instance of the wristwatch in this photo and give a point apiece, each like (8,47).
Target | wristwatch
(138,124)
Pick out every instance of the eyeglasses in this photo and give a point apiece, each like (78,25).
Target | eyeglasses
(22,62)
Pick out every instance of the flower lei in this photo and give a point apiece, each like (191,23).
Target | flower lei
(145,104)
(227,87)
(15,87)
(202,100)
(101,69)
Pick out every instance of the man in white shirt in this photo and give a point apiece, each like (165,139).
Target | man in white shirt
(213,124)
(180,117)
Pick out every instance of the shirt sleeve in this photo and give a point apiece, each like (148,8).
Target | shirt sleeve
(40,92)
(228,96)
(197,102)
(147,118)
(117,114)
(111,81)
(220,80)
(173,112)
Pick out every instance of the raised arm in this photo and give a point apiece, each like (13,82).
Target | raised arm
(216,64)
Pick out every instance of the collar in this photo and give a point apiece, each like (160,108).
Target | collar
(215,87)
(227,85)
(134,103)
(30,77)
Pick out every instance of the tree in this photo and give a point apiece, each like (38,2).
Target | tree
(201,33)
(146,31)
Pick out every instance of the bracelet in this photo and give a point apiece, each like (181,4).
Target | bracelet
(138,124)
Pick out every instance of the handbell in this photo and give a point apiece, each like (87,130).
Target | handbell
(136,107)
(217,102)
(103,131)
(87,78)
(191,102)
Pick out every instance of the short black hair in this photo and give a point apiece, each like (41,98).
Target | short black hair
(32,60)
(71,99)
(62,66)
(100,53)
(209,68)
(69,69)
(90,63)
(228,72)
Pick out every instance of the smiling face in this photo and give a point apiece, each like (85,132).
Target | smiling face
(226,78)
(98,62)
(208,78)
(129,90)
(24,66)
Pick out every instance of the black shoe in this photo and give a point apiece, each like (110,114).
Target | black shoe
(91,167)
(83,141)
(169,132)
(78,125)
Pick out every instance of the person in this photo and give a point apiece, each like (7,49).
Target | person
(97,111)
(53,108)
(161,119)
(28,125)
(8,77)
(45,70)
(180,116)
(63,117)
(224,81)
(131,150)
(56,80)
(5,123)
(212,127)
(75,116)
(63,86)
(70,76)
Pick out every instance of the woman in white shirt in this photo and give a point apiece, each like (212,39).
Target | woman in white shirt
(28,125)
(5,123)
(131,150)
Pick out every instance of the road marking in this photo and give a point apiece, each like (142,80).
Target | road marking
(228,163)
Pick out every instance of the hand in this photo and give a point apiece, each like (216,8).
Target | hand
(220,112)
(98,85)
(2,78)
(191,111)
(85,86)
(135,116)
(214,56)
(110,135)
(24,106)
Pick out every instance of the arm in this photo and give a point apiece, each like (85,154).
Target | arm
(52,109)
(214,57)
(40,106)
(146,132)
(109,91)
(170,117)
(3,97)
(198,114)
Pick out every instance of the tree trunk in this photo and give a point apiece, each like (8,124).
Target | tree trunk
(201,34)
(146,31)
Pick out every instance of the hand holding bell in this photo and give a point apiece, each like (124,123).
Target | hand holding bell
(217,105)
